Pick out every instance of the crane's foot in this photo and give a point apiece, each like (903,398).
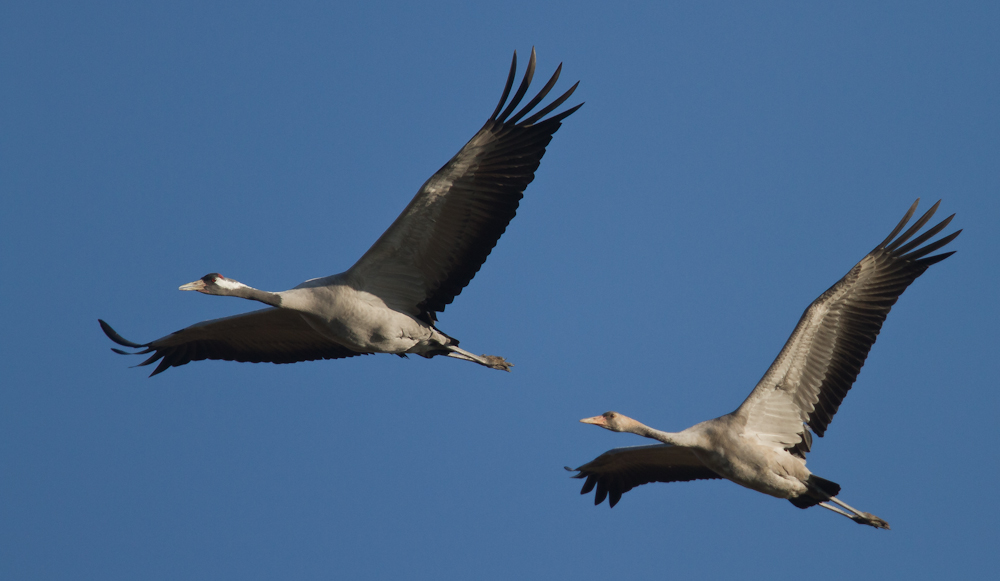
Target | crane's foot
(496,362)
(867,518)
(491,361)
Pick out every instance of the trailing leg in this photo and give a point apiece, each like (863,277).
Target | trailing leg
(860,517)
(491,361)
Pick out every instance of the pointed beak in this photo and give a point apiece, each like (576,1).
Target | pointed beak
(195,286)
(596,420)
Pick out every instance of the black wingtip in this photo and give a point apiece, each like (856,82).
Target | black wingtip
(564,114)
(529,73)
(936,258)
(163,366)
(930,233)
(507,87)
(505,117)
(538,98)
(915,228)
(912,249)
(114,336)
(551,107)
(899,227)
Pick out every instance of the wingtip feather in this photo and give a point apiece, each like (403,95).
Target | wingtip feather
(902,223)
(114,336)
(507,87)
(529,73)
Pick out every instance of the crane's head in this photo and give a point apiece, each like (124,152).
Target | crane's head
(613,421)
(213,284)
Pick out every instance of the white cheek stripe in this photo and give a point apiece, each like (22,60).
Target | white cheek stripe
(228,284)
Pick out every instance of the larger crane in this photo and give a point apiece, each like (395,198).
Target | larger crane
(388,301)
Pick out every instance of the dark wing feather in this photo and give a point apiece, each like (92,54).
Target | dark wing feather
(442,238)
(818,365)
(617,471)
(268,335)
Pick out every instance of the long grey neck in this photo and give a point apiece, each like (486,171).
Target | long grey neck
(672,438)
(248,292)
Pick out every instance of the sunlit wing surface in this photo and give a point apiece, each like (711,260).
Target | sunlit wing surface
(821,360)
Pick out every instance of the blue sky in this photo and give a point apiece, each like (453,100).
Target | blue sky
(731,163)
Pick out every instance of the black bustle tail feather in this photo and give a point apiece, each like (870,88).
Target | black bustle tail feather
(820,490)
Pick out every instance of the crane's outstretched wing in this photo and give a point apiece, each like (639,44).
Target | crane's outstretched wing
(819,363)
(617,471)
(268,335)
(442,238)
